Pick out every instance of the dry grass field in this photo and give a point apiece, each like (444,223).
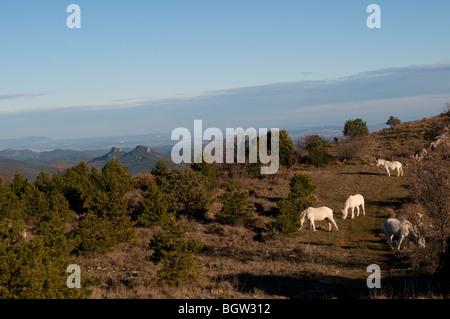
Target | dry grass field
(252,261)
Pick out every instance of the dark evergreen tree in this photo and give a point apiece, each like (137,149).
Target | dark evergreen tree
(234,205)
(287,221)
(154,207)
(356,128)
(187,193)
(176,252)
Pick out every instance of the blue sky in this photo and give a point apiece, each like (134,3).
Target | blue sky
(143,66)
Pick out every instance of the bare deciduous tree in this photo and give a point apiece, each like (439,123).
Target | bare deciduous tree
(431,190)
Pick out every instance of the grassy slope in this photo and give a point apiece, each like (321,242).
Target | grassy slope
(253,262)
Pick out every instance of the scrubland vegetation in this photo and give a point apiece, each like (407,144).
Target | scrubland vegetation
(225,231)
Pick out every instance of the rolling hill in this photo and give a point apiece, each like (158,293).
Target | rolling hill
(9,166)
(140,160)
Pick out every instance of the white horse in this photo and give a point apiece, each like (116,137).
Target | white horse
(352,202)
(391,165)
(313,214)
(402,229)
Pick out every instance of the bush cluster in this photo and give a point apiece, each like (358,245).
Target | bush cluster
(287,221)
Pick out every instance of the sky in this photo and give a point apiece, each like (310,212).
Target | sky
(144,66)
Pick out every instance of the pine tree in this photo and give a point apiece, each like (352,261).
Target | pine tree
(356,128)
(393,121)
(187,193)
(287,221)
(176,252)
(153,207)
(77,186)
(209,171)
(34,267)
(161,170)
(235,205)
(19,183)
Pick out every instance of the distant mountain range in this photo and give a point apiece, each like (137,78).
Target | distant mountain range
(30,155)
(158,142)
(30,163)
(95,143)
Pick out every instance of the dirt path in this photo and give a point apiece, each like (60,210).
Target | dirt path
(360,241)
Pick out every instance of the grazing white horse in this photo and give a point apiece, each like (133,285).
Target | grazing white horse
(390,165)
(352,202)
(402,229)
(321,213)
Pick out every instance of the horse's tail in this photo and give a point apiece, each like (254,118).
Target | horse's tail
(302,217)
(362,202)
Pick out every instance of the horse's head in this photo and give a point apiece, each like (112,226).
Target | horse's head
(417,237)
(344,214)
(421,241)
(378,162)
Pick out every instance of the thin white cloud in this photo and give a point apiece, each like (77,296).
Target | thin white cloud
(19,95)
(407,92)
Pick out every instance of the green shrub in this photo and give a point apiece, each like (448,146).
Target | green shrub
(176,252)
(77,186)
(253,169)
(160,171)
(235,205)
(107,223)
(286,146)
(18,184)
(356,128)
(317,150)
(95,235)
(114,178)
(153,207)
(34,268)
(187,193)
(11,206)
(287,221)
(393,121)
(209,171)
(299,198)
(301,188)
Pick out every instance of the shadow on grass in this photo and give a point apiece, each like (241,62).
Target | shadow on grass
(261,210)
(386,203)
(363,173)
(310,286)
(307,287)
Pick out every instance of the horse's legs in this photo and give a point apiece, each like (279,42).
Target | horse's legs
(357,211)
(400,242)
(334,223)
(312,224)
(389,237)
(353,214)
(387,171)
(363,209)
